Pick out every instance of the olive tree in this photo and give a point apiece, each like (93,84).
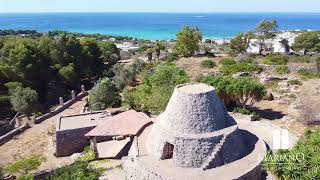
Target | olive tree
(240,43)
(24,100)
(103,95)
(265,30)
(306,42)
(237,91)
(188,41)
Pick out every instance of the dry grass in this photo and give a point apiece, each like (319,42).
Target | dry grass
(193,67)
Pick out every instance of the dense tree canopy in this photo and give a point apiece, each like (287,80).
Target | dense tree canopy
(54,64)
(188,41)
(307,42)
(155,92)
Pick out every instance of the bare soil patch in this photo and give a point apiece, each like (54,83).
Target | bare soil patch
(37,141)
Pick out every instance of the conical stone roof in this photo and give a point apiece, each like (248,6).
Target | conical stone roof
(194,108)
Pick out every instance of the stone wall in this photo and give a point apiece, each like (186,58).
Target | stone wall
(71,141)
(293,67)
(8,136)
(59,109)
(196,150)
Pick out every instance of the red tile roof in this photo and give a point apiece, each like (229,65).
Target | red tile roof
(126,123)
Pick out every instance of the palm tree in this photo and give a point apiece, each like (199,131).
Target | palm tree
(158,48)
(149,52)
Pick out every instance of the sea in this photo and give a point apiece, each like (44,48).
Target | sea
(154,26)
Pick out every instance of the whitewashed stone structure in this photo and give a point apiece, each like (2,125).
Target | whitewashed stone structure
(195,133)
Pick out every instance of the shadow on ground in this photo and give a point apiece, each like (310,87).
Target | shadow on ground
(268,113)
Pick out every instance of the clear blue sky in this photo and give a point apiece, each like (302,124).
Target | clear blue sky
(159,6)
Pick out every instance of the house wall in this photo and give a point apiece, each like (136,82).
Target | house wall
(71,141)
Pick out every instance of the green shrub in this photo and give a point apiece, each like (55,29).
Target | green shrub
(26,178)
(89,154)
(243,111)
(78,171)
(308,74)
(172,57)
(227,61)
(300,59)
(153,95)
(208,63)
(294,82)
(241,67)
(275,60)
(242,91)
(104,95)
(282,69)
(282,165)
(255,116)
(1,173)
(25,166)
(125,75)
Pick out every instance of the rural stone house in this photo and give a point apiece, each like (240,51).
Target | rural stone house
(111,134)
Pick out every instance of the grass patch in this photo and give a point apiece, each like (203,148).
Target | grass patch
(227,61)
(241,67)
(25,166)
(275,60)
(78,170)
(282,69)
(300,59)
(308,74)
(208,63)
(295,82)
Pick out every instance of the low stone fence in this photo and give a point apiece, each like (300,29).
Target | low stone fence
(62,106)
(7,137)
(293,67)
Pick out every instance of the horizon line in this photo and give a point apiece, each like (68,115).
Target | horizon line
(151,12)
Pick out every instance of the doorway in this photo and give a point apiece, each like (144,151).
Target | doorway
(167,152)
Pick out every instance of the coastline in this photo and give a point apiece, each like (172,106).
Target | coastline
(155,26)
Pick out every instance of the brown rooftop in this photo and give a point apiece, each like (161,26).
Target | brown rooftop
(126,123)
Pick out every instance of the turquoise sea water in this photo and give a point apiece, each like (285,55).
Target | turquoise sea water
(155,25)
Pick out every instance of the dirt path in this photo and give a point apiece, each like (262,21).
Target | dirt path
(37,141)
(288,115)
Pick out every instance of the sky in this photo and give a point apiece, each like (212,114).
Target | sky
(159,6)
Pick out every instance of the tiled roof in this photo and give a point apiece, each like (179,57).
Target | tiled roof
(126,123)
